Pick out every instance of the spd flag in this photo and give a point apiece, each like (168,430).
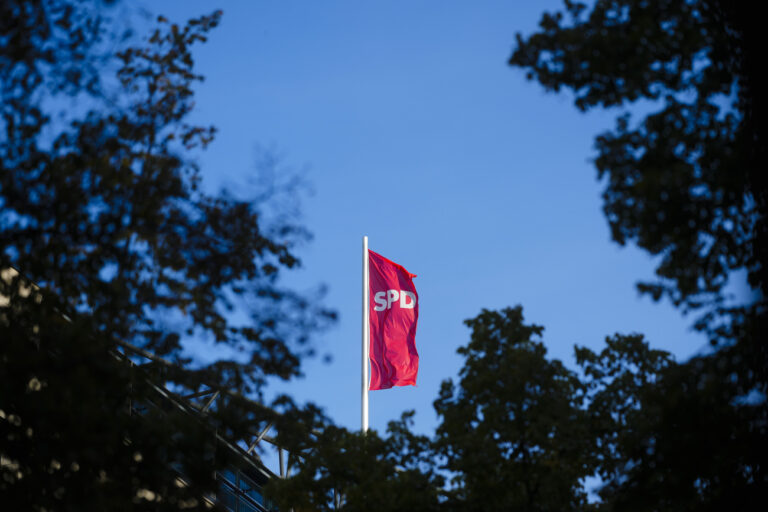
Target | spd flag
(394,311)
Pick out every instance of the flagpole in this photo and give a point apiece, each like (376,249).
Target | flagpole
(366,336)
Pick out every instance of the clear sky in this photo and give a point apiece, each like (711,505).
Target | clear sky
(413,130)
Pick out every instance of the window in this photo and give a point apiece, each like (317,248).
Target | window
(239,493)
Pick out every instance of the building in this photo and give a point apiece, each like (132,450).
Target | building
(254,458)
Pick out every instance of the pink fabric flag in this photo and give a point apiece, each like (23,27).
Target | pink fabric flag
(394,312)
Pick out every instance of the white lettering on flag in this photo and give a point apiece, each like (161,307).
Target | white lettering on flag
(384,300)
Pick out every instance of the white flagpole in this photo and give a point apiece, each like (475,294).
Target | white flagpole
(366,336)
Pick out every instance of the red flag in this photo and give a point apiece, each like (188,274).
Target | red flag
(394,311)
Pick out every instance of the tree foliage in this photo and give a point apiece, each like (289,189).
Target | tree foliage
(69,441)
(337,469)
(684,181)
(521,431)
(103,209)
(513,432)
(631,427)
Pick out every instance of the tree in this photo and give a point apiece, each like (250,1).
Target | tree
(103,210)
(685,184)
(513,431)
(336,469)
(516,432)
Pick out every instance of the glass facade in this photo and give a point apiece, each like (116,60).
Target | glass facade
(239,492)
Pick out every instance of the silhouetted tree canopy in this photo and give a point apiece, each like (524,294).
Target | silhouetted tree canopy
(513,432)
(521,431)
(686,183)
(683,181)
(103,215)
(338,469)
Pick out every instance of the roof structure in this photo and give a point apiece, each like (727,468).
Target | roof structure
(259,456)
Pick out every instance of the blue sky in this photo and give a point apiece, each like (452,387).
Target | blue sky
(412,129)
